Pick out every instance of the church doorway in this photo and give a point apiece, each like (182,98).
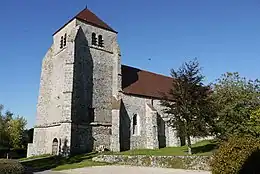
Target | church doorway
(55,146)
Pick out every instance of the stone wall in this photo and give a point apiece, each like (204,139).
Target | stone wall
(82,93)
(169,135)
(81,138)
(182,162)
(55,95)
(44,136)
(104,69)
(56,80)
(138,105)
(151,127)
(101,135)
(132,105)
(104,60)
(115,127)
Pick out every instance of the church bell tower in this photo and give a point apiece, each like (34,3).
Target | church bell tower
(81,74)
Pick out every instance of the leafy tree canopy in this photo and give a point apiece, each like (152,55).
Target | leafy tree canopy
(11,129)
(235,99)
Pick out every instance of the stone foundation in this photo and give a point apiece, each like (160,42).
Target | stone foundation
(182,162)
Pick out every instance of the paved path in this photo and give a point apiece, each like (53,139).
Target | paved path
(127,170)
(49,172)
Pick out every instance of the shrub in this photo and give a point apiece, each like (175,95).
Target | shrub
(11,167)
(3,152)
(16,153)
(233,156)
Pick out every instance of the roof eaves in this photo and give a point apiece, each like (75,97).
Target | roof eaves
(142,95)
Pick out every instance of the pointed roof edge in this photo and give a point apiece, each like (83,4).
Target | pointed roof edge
(98,22)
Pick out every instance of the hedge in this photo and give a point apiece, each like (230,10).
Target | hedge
(239,155)
(11,167)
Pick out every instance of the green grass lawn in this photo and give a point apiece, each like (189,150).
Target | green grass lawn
(206,148)
(61,163)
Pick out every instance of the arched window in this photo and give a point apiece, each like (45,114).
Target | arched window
(61,42)
(100,41)
(94,39)
(135,125)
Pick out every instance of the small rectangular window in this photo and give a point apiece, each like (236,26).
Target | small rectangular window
(61,42)
(65,40)
(94,39)
(135,125)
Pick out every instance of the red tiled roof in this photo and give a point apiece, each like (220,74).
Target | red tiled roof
(89,17)
(143,83)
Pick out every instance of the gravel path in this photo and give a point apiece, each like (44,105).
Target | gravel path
(128,170)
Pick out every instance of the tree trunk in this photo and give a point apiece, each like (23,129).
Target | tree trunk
(187,125)
(189,145)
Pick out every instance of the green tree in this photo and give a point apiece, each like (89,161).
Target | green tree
(16,131)
(189,104)
(235,98)
(11,129)
(4,124)
(253,125)
(1,126)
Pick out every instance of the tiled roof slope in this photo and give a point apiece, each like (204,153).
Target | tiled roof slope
(143,83)
(89,17)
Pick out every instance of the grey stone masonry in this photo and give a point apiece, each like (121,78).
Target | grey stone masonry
(115,132)
(104,60)
(151,128)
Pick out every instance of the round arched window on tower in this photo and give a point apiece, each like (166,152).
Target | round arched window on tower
(94,39)
(100,41)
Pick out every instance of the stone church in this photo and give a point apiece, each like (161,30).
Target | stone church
(88,99)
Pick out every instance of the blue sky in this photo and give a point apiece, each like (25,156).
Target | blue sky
(223,35)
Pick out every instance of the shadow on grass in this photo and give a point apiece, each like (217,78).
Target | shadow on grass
(48,163)
(204,148)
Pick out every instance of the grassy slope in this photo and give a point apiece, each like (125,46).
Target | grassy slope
(85,160)
(79,161)
(35,157)
(205,147)
(61,163)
